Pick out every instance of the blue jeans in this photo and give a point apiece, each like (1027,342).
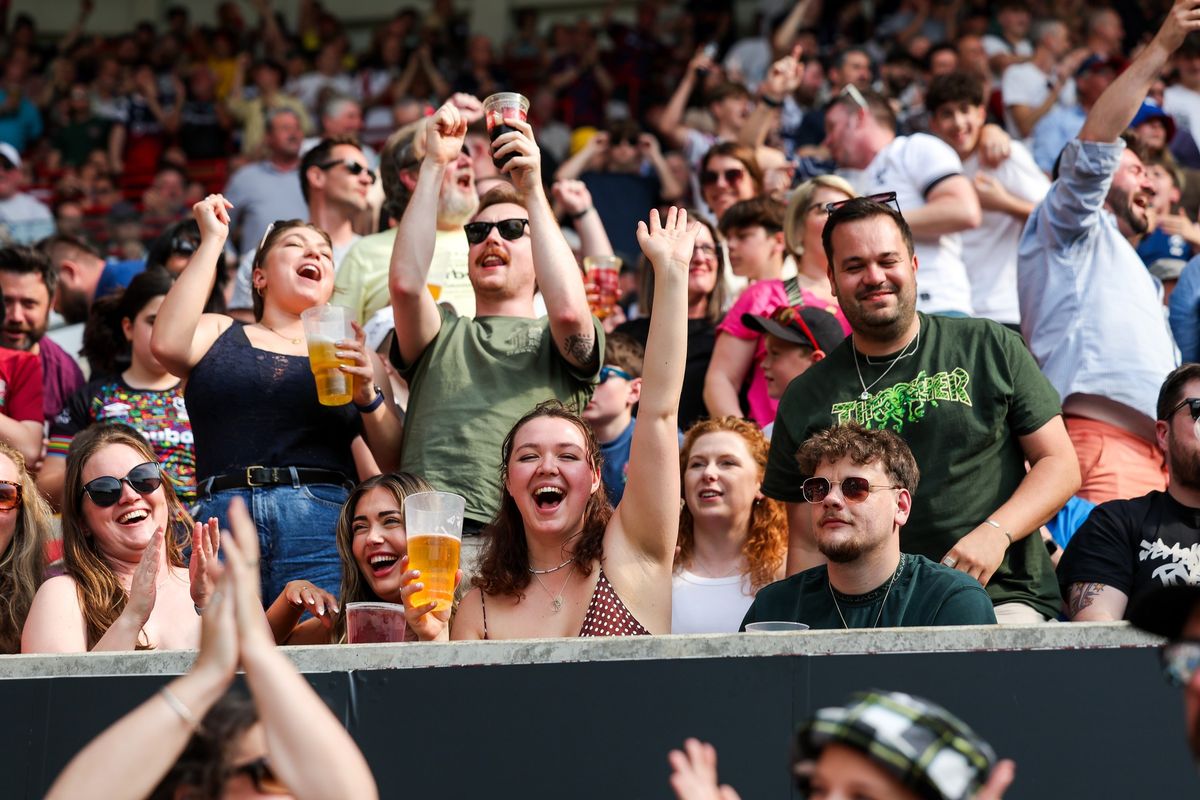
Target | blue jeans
(296,532)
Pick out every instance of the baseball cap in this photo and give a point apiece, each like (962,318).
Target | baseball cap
(10,154)
(1095,62)
(921,744)
(1167,269)
(1164,610)
(785,323)
(1150,110)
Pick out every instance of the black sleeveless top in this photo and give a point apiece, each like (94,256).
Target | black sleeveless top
(252,407)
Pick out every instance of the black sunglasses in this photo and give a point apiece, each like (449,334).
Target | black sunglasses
(510,229)
(183,245)
(1192,402)
(884,198)
(106,490)
(855,490)
(10,495)
(264,778)
(355,168)
(732,176)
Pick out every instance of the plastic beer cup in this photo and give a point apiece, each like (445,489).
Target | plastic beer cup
(323,326)
(368,623)
(497,109)
(602,283)
(434,522)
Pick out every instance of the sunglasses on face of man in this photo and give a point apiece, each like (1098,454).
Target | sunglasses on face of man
(854,489)
(510,229)
(1193,404)
(355,168)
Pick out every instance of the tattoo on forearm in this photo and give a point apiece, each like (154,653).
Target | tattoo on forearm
(581,348)
(1083,595)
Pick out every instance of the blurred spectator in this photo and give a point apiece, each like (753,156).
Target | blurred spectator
(579,78)
(480,75)
(20,121)
(728,173)
(124,228)
(1182,99)
(803,223)
(83,275)
(1174,237)
(138,136)
(1032,88)
(1184,312)
(254,113)
(205,123)
(23,218)
(172,250)
(1063,122)
(1010,45)
(82,130)
(267,190)
(341,116)
(326,76)
(381,67)
(24,536)
(609,412)
(21,406)
(942,60)
(69,218)
(1104,33)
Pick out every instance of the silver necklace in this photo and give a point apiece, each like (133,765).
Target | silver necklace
(556,600)
(878,616)
(533,571)
(866,390)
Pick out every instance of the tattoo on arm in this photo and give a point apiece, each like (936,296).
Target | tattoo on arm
(581,349)
(1083,595)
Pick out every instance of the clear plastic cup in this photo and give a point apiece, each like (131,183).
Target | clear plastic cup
(602,276)
(775,627)
(323,326)
(497,110)
(434,522)
(368,623)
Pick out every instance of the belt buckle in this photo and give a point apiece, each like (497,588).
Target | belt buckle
(249,480)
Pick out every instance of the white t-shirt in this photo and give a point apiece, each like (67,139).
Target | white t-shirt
(1184,105)
(911,166)
(997,45)
(990,251)
(24,219)
(1026,85)
(708,605)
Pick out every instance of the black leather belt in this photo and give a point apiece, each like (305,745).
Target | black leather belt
(272,476)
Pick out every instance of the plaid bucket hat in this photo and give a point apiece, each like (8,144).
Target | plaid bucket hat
(921,744)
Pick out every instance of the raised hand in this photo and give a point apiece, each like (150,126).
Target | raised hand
(444,135)
(694,773)
(573,195)
(218,632)
(212,215)
(361,370)
(1184,18)
(313,599)
(143,588)
(525,166)
(785,76)
(648,146)
(204,566)
(241,558)
(668,245)
(599,142)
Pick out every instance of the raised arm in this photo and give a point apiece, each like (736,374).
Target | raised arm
(576,201)
(417,317)
(670,189)
(782,79)
(183,333)
(1114,109)
(558,277)
(670,124)
(801,15)
(579,163)
(950,207)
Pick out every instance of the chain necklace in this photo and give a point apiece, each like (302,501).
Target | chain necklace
(556,600)
(866,390)
(891,583)
(533,571)
(285,338)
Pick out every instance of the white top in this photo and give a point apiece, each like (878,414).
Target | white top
(708,605)
(24,219)
(1025,85)
(990,251)
(911,166)
(1090,310)
(1184,105)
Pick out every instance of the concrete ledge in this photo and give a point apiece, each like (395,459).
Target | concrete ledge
(972,638)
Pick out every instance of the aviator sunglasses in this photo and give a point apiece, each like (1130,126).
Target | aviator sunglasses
(855,490)
(265,780)
(510,229)
(732,177)
(106,490)
(1193,404)
(10,495)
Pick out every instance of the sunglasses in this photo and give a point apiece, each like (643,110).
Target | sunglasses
(1192,403)
(106,490)
(510,229)
(733,177)
(10,495)
(855,490)
(613,372)
(883,198)
(355,168)
(264,778)
(786,315)
(183,246)
(1180,660)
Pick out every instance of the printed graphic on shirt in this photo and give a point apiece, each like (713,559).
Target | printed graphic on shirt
(1182,563)
(526,339)
(905,402)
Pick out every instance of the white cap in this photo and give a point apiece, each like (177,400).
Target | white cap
(10,153)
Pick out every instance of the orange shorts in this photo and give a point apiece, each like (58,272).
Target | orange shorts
(1114,463)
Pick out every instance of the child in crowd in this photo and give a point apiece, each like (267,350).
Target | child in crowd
(610,411)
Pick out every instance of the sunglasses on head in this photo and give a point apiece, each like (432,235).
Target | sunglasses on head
(613,372)
(732,176)
(264,778)
(1193,403)
(355,168)
(851,91)
(789,316)
(10,495)
(855,490)
(106,490)
(883,198)
(1180,660)
(510,229)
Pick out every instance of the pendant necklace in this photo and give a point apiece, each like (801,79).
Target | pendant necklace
(878,616)
(866,390)
(288,338)
(556,600)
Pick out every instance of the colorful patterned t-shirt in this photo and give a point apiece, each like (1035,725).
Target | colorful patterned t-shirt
(160,416)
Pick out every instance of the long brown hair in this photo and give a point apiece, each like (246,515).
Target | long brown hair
(101,595)
(504,568)
(274,233)
(766,537)
(355,588)
(23,562)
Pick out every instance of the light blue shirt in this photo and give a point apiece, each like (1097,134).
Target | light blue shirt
(1060,125)
(1090,311)
(262,194)
(1185,311)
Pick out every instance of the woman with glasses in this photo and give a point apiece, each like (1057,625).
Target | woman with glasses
(197,739)
(126,585)
(729,173)
(260,431)
(24,533)
(732,539)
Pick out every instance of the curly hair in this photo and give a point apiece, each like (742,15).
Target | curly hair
(862,446)
(765,547)
(23,562)
(504,568)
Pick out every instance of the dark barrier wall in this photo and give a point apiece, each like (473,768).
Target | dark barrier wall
(1096,723)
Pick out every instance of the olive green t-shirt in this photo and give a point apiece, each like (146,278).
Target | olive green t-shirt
(960,402)
(924,593)
(473,382)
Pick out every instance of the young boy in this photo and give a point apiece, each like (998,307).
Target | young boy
(610,411)
(795,338)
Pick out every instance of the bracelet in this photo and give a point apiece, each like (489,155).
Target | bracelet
(581,214)
(179,708)
(374,404)
(996,525)
(770,103)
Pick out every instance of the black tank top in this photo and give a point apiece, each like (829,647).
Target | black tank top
(252,407)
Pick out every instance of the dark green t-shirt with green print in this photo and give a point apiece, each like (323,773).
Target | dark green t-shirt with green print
(960,401)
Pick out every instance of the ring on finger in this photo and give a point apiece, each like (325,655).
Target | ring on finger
(950,561)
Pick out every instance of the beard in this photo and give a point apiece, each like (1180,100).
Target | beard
(843,549)
(882,324)
(1135,218)
(1184,461)
(456,206)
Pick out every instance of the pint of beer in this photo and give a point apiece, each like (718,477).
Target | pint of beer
(434,523)
(601,282)
(323,326)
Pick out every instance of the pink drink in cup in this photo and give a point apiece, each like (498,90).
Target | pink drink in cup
(369,623)
(602,283)
(497,110)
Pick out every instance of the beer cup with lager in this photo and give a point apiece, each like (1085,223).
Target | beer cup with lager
(602,283)
(434,521)
(323,327)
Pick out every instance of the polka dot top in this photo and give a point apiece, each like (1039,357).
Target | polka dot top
(607,615)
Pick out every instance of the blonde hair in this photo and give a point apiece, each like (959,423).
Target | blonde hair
(23,562)
(797,208)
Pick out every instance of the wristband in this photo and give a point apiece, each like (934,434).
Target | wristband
(769,103)
(179,708)
(996,525)
(374,404)
(581,214)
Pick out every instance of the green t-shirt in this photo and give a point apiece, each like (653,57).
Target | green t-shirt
(474,380)
(960,402)
(925,593)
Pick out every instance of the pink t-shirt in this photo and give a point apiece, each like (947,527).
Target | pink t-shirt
(761,299)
